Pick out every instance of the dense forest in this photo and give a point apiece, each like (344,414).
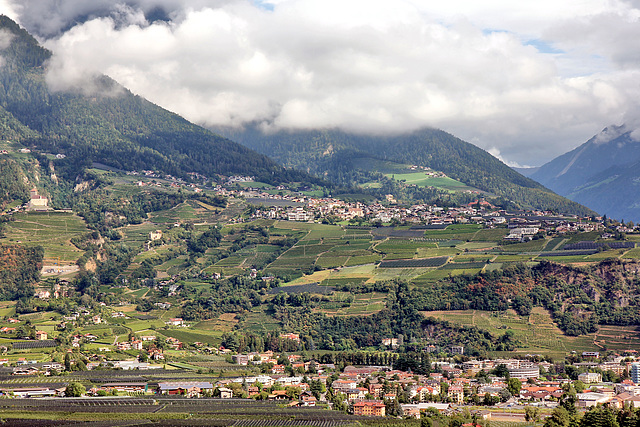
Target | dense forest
(19,271)
(337,155)
(106,123)
(12,185)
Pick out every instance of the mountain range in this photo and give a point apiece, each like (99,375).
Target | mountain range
(603,173)
(104,122)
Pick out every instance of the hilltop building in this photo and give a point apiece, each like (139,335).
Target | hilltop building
(37,202)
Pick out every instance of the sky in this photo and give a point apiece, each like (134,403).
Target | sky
(525,80)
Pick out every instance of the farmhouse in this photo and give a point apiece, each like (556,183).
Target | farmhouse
(457,349)
(390,342)
(225,393)
(293,337)
(189,389)
(176,321)
(30,392)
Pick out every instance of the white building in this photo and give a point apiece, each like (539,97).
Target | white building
(590,377)
(587,400)
(524,373)
(299,214)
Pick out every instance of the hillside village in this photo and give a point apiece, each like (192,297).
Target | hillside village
(295,206)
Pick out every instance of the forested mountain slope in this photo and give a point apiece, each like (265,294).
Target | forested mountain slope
(579,298)
(108,124)
(334,153)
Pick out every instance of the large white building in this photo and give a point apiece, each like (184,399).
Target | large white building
(524,373)
(37,201)
(635,373)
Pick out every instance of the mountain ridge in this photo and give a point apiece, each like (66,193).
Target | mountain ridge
(110,125)
(329,153)
(602,173)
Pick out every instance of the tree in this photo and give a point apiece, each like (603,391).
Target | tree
(426,422)
(501,371)
(67,362)
(569,399)
(514,386)
(293,393)
(504,395)
(489,400)
(392,407)
(81,366)
(75,389)
(531,413)
(599,417)
(560,417)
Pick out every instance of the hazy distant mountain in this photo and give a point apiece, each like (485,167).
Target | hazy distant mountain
(106,123)
(525,171)
(603,174)
(334,154)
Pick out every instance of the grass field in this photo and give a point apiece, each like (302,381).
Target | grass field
(632,254)
(422,179)
(211,337)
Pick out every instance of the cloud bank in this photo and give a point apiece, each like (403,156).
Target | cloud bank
(525,80)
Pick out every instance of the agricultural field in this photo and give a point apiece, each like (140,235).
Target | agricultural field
(415,263)
(319,259)
(343,304)
(171,411)
(51,230)
(632,254)
(468,247)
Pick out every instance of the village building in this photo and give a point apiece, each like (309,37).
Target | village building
(368,408)
(185,388)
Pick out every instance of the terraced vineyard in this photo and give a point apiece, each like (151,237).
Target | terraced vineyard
(52,230)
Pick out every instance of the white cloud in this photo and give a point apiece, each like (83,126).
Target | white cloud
(5,41)
(529,80)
